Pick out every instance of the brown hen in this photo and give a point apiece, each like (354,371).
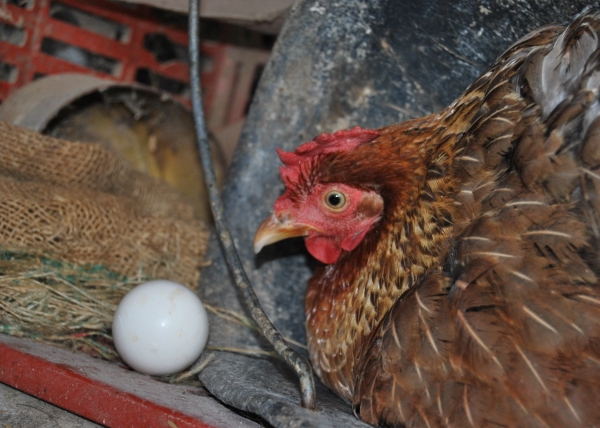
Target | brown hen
(461,251)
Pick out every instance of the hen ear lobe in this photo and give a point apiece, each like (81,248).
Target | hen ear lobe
(368,211)
(371,205)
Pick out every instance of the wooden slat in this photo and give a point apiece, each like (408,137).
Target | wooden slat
(106,393)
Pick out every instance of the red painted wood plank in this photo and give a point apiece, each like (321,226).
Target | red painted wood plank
(64,387)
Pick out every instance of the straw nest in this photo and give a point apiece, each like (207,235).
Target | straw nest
(59,302)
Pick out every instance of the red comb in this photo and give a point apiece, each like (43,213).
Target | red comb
(339,141)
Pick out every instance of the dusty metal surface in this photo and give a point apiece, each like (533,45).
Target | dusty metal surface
(336,65)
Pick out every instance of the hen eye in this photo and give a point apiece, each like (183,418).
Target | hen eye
(335,200)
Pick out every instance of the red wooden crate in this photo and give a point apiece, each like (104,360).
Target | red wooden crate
(42,37)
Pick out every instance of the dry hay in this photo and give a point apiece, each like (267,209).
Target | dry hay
(60,302)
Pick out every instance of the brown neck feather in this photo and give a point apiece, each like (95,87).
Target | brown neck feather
(412,166)
(346,301)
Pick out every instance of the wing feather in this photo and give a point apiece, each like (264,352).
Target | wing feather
(509,333)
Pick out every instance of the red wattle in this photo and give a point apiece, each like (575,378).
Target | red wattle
(324,249)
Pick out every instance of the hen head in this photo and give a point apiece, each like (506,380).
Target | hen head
(332,216)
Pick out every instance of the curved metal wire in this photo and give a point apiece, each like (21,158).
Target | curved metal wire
(294,359)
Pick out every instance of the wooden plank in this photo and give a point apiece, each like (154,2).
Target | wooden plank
(107,393)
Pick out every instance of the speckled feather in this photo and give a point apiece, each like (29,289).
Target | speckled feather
(474,301)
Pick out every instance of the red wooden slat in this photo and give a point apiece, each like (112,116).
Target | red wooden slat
(175,70)
(129,15)
(102,403)
(15,15)
(46,65)
(4,90)
(81,37)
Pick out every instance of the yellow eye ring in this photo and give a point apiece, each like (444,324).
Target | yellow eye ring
(335,200)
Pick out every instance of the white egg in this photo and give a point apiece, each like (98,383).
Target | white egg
(160,328)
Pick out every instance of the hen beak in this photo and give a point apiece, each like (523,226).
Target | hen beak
(273,230)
